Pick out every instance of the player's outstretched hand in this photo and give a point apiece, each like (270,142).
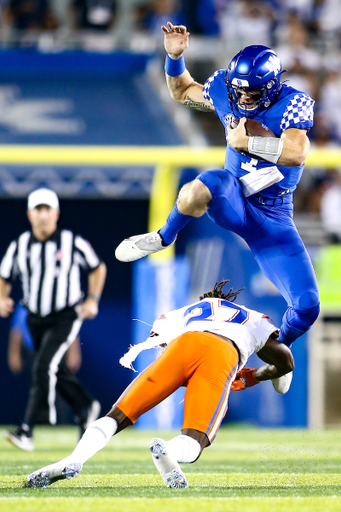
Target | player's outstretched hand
(244,379)
(175,39)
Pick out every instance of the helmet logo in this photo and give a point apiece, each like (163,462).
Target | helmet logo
(229,118)
(239,82)
(274,64)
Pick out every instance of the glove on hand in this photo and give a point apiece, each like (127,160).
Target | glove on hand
(245,379)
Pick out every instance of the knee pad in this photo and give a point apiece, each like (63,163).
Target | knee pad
(308,307)
(302,319)
(308,316)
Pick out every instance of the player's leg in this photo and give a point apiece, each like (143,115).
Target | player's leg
(284,260)
(207,392)
(192,203)
(95,437)
(185,448)
(276,245)
(193,200)
(215,362)
(157,382)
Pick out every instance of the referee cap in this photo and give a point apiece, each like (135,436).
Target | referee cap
(42,196)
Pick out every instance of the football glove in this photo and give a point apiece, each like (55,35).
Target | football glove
(245,379)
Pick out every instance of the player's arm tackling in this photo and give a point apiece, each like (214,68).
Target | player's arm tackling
(279,359)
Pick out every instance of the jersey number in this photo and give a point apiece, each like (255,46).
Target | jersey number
(204,311)
(250,166)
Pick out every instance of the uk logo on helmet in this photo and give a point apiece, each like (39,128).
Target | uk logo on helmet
(274,64)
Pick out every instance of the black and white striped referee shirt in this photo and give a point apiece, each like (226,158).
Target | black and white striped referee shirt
(49,270)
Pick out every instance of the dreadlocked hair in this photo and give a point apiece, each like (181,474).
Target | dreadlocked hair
(217,292)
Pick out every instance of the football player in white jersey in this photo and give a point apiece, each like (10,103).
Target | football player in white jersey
(206,347)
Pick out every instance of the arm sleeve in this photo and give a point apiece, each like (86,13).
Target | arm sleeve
(299,113)
(8,264)
(87,253)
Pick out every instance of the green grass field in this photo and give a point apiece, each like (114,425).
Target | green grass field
(245,470)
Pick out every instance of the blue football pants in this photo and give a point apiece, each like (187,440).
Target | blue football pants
(277,247)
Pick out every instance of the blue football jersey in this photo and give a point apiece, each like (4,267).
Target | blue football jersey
(291,109)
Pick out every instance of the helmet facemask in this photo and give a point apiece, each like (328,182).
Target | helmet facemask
(255,71)
(262,97)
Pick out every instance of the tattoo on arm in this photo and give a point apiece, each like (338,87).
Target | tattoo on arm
(197,105)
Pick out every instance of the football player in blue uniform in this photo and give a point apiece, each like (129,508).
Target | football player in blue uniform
(252,195)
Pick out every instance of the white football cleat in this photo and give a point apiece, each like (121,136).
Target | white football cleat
(166,465)
(139,246)
(282,384)
(49,474)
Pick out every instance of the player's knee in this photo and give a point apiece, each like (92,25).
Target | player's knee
(308,316)
(308,307)
(193,198)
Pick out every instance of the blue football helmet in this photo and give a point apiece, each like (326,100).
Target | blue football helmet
(255,70)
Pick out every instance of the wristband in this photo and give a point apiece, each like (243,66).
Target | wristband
(268,148)
(95,297)
(174,67)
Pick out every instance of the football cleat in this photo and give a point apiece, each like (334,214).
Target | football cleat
(20,439)
(166,465)
(49,474)
(139,246)
(176,479)
(282,384)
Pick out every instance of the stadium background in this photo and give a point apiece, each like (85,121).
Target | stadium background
(54,101)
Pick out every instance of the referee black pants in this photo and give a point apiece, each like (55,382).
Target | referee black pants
(52,335)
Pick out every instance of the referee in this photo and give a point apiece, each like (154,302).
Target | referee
(48,262)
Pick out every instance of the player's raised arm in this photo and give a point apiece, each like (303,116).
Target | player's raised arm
(181,85)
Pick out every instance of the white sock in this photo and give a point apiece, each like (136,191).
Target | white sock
(184,448)
(94,439)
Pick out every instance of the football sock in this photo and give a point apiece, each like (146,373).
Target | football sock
(184,448)
(94,439)
(174,223)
